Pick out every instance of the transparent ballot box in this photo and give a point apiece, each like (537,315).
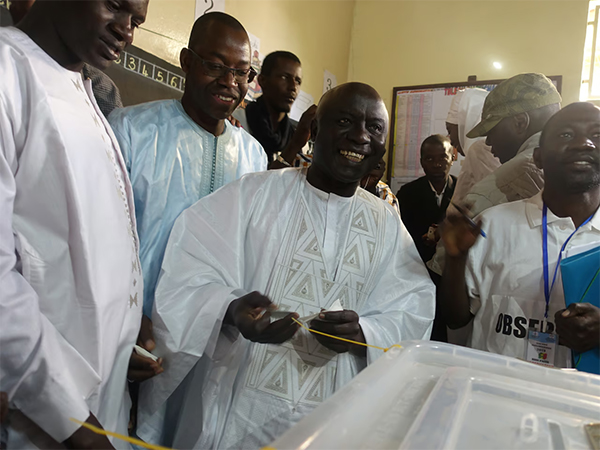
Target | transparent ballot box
(429,395)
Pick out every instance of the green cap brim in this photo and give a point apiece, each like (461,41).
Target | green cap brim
(484,127)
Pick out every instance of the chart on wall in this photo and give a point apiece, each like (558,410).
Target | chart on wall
(419,112)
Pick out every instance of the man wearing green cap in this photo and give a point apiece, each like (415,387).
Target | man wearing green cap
(513,117)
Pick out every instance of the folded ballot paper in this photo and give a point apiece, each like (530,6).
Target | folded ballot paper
(280,314)
(580,270)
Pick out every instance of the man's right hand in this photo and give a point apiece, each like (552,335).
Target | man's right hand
(87,439)
(302,133)
(299,139)
(250,315)
(140,367)
(458,235)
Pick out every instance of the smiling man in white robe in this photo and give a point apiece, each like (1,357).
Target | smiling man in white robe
(70,279)
(298,240)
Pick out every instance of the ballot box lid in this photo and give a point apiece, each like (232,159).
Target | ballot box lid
(429,395)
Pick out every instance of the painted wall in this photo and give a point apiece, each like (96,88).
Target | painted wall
(390,43)
(319,32)
(167,28)
(402,43)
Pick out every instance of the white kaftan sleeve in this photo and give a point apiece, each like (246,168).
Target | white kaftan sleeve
(36,363)
(202,272)
(402,305)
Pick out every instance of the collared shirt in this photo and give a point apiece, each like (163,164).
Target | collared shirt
(70,283)
(419,210)
(438,197)
(516,179)
(505,275)
(172,163)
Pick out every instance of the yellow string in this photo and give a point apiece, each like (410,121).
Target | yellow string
(158,447)
(364,344)
(119,436)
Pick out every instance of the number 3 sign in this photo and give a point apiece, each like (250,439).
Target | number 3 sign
(329,81)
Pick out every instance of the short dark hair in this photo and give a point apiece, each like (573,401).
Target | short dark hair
(205,20)
(444,141)
(270,60)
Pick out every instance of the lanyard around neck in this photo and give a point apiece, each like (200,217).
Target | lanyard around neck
(548,289)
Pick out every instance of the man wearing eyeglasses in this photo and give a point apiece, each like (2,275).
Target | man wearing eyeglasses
(177,152)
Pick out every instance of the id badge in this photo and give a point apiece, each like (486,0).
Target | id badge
(541,347)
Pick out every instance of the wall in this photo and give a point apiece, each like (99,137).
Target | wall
(319,32)
(167,28)
(402,43)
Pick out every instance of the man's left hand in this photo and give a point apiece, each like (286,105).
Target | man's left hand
(578,327)
(343,324)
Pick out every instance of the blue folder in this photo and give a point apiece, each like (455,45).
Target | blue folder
(581,284)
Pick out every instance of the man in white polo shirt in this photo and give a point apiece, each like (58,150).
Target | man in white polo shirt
(498,281)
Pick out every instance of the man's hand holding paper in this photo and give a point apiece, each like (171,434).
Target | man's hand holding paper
(251,315)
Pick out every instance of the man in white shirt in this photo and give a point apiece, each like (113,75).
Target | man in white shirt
(498,282)
(301,240)
(177,152)
(70,280)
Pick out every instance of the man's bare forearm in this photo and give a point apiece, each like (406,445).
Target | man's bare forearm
(452,293)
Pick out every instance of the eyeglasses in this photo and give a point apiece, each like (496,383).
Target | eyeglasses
(216,70)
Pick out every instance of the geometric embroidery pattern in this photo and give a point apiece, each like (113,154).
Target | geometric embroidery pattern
(305,289)
(279,382)
(352,258)
(317,390)
(305,368)
(360,222)
(302,370)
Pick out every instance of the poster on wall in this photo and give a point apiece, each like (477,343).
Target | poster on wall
(206,6)
(302,103)
(418,112)
(329,81)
